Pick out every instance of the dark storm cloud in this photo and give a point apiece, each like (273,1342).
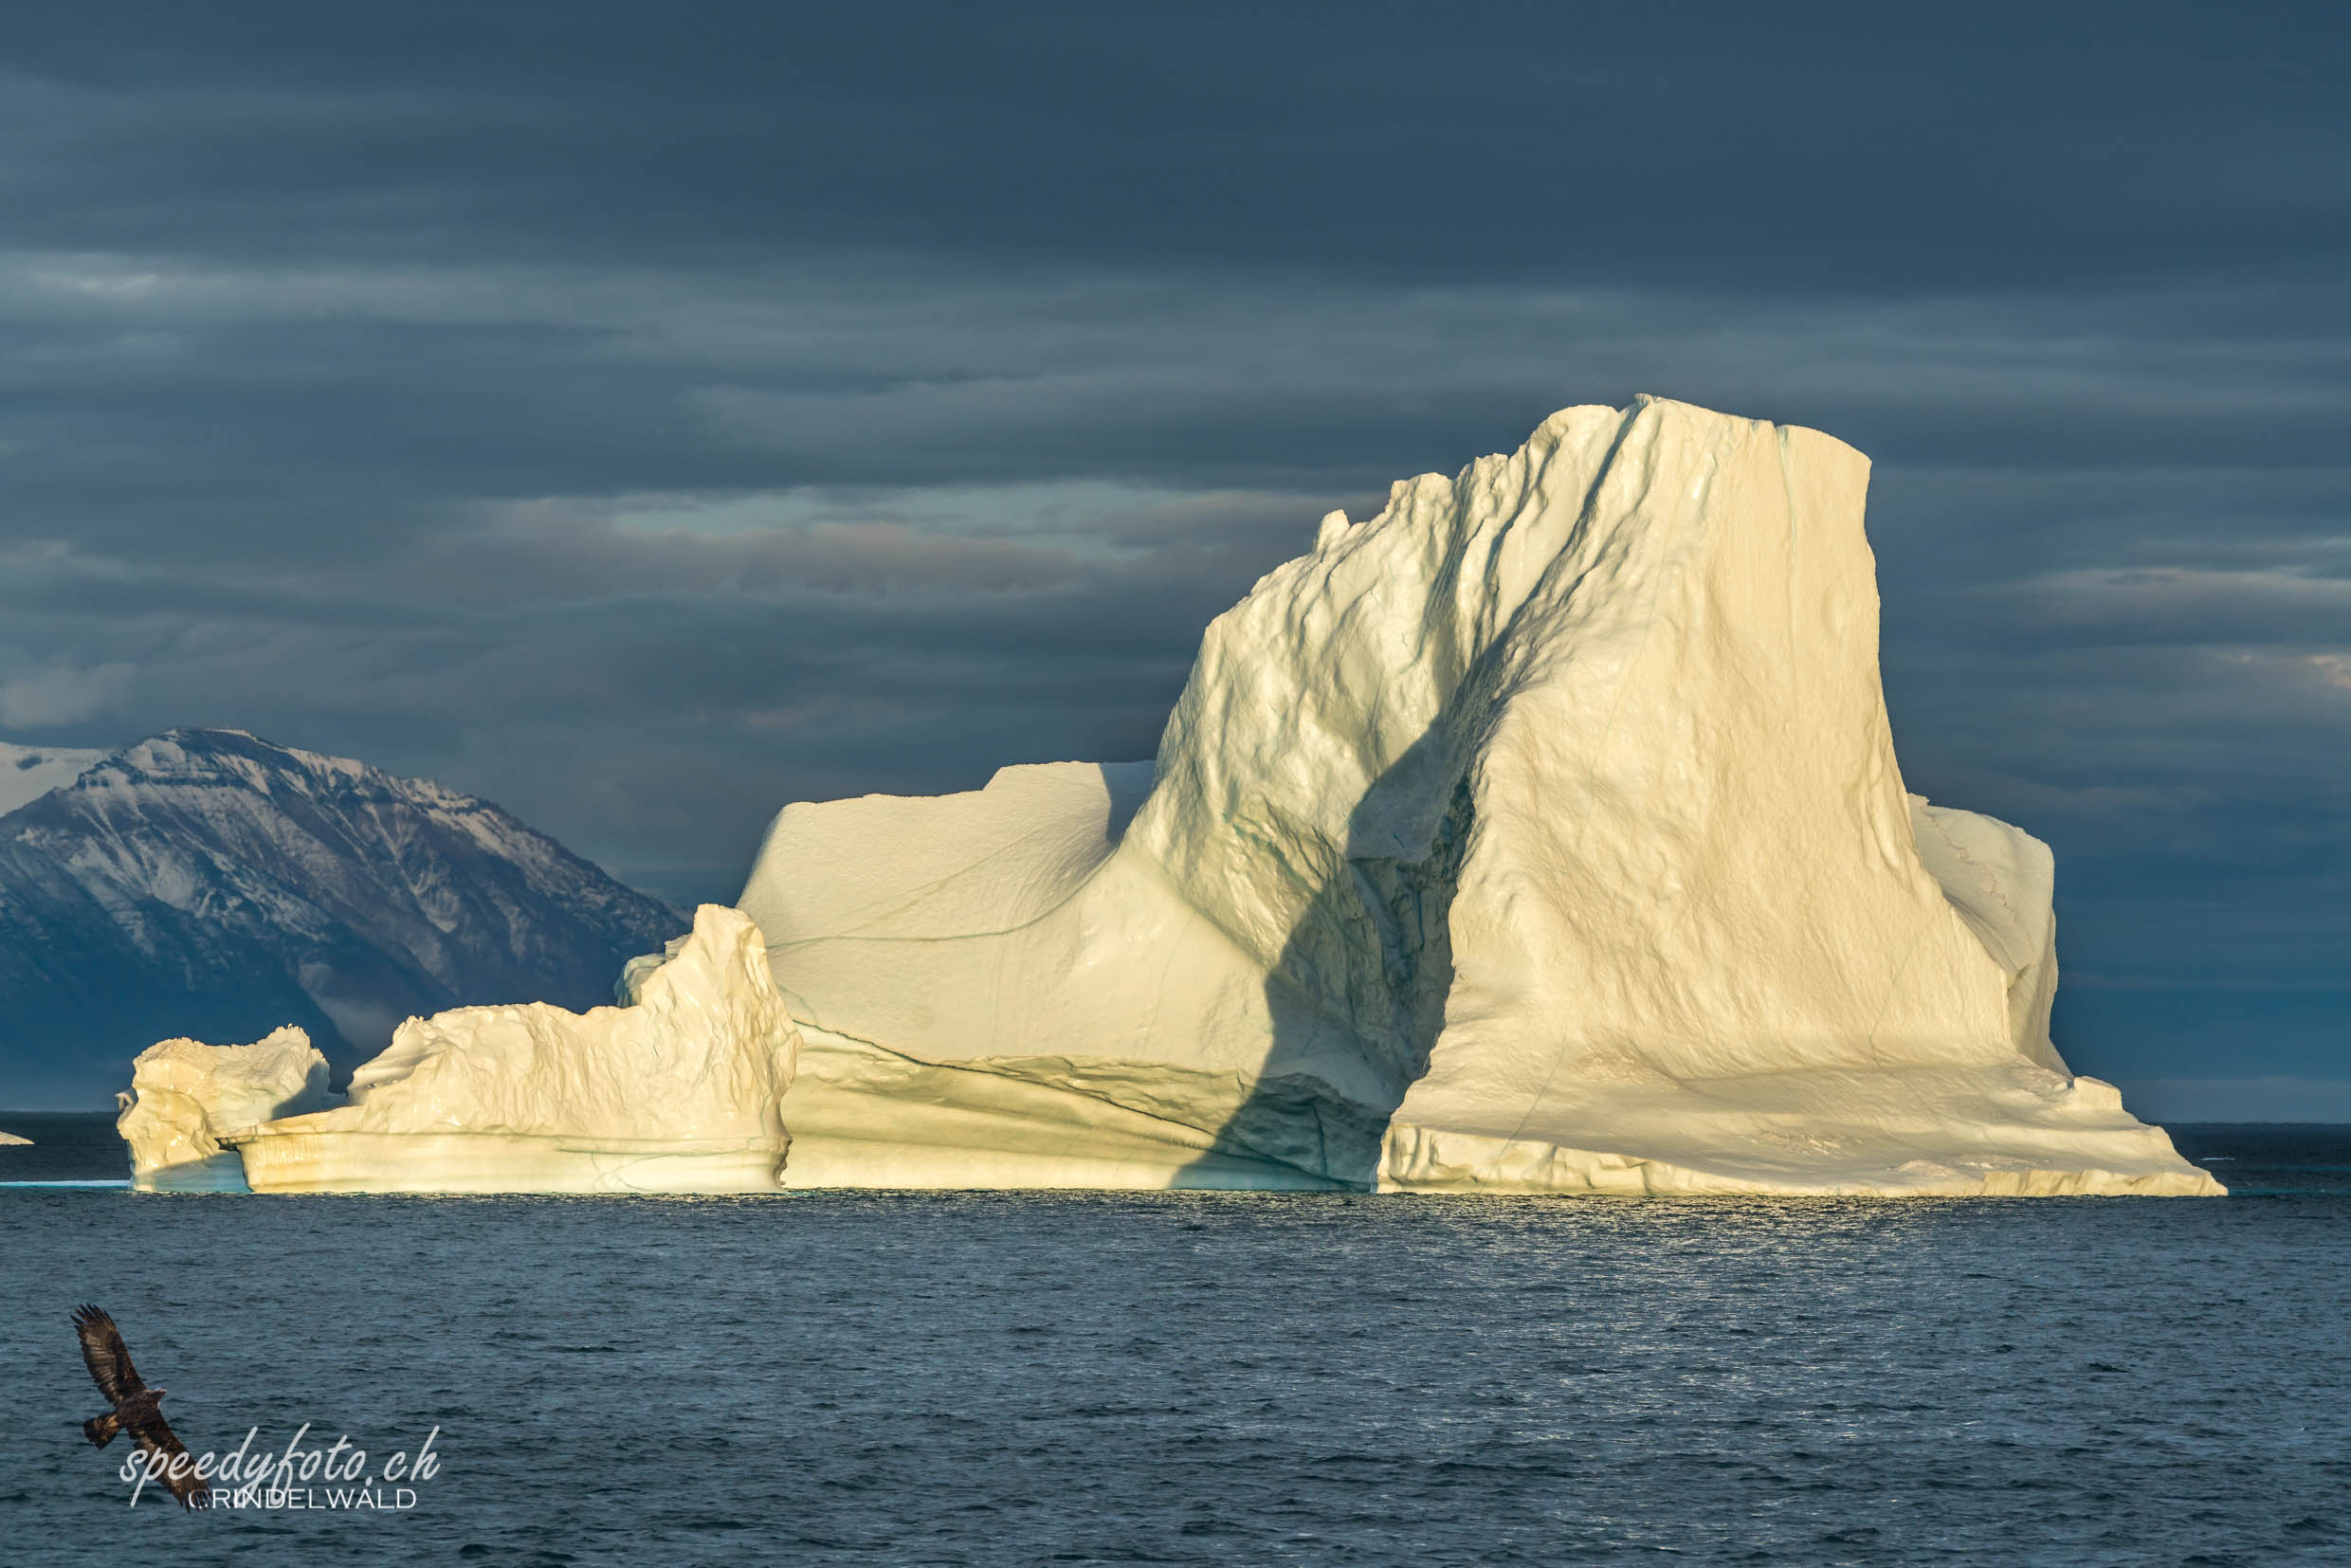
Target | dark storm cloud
(648,415)
(1425,142)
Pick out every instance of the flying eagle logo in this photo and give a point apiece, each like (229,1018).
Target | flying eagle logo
(138,1410)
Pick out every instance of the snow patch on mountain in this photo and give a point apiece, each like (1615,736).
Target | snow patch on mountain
(27,773)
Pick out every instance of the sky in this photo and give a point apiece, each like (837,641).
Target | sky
(648,415)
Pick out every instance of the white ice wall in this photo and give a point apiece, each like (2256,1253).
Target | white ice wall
(1543,832)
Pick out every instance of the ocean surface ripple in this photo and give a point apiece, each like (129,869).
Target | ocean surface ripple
(985,1379)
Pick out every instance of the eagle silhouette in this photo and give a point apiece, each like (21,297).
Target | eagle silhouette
(138,1409)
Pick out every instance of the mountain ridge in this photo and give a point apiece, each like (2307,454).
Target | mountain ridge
(214,884)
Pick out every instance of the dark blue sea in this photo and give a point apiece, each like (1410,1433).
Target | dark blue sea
(1208,1377)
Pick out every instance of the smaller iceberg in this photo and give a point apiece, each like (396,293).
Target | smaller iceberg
(679,1091)
(186,1097)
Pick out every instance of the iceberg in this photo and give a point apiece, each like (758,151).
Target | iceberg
(186,1097)
(1541,833)
(678,1091)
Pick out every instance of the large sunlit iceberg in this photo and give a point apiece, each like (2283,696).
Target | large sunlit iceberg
(1543,832)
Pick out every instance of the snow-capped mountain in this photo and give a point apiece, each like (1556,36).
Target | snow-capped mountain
(211,884)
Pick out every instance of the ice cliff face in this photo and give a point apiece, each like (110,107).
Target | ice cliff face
(186,1095)
(675,1092)
(208,882)
(1542,832)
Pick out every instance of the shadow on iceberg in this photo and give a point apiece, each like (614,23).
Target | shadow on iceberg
(1365,972)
